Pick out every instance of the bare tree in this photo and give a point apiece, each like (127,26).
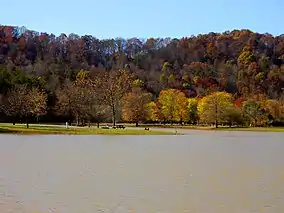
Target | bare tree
(69,101)
(15,103)
(112,86)
(78,99)
(23,102)
(36,103)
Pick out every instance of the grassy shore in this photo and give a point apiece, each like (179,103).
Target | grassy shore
(41,129)
(220,128)
(53,129)
(253,129)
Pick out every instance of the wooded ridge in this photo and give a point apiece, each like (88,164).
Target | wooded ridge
(235,77)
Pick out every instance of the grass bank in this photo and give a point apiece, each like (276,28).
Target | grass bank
(220,128)
(47,129)
(253,129)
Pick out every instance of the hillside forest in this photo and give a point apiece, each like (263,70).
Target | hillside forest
(232,78)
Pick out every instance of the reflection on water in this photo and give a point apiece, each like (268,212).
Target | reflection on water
(208,172)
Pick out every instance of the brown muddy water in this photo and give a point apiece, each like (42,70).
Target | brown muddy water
(203,172)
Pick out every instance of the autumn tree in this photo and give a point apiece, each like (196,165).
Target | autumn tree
(92,107)
(24,102)
(282,111)
(113,85)
(246,57)
(211,108)
(233,116)
(172,105)
(134,106)
(192,110)
(181,108)
(69,101)
(273,108)
(15,102)
(254,112)
(78,99)
(152,111)
(36,102)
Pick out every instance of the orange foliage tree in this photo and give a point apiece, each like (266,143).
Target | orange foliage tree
(135,106)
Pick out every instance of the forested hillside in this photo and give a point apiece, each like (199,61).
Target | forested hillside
(72,77)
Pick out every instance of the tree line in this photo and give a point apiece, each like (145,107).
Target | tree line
(216,108)
(233,77)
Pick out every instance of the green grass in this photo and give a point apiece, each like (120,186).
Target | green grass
(253,129)
(220,128)
(48,129)
(36,129)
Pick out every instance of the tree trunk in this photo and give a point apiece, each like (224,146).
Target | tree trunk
(216,117)
(27,124)
(216,123)
(98,124)
(113,115)
(70,118)
(77,120)
(136,124)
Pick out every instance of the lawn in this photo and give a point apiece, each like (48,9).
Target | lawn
(46,129)
(253,129)
(220,128)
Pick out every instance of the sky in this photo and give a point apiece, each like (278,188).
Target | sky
(144,19)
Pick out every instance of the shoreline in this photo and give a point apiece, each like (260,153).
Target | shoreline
(213,128)
(57,129)
(35,129)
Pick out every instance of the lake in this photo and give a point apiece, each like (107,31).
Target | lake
(202,172)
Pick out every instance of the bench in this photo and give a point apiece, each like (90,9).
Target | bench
(118,127)
(105,127)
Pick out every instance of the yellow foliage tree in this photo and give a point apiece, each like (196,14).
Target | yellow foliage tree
(173,105)
(211,108)
(192,109)
(152,111)
(246,57)
(282,111)
(273,107)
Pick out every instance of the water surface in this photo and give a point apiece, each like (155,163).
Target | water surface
(203,172)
